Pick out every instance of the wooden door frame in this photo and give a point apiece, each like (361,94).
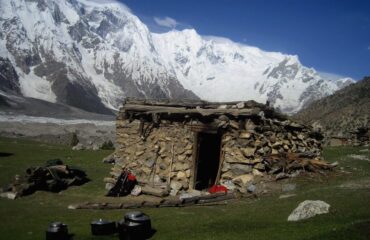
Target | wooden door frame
(195,156)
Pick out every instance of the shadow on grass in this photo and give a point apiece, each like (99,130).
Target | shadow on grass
(5,154)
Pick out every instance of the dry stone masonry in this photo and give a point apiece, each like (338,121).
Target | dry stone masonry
(177,146)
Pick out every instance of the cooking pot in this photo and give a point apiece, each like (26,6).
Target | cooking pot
(103,227)
(135,226)
(57,231)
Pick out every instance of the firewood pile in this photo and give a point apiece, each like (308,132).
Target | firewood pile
(54,177)
(290,164)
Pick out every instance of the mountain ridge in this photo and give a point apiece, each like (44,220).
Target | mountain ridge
(92,55)
(341,113)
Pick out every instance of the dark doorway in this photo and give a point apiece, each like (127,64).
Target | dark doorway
(207,161)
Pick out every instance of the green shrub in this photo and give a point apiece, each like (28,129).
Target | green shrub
(74,140)
(107,145)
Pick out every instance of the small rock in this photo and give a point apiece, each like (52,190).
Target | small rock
(249,125)
(9,195)
(190,194)
(243,179)
(176,185)
(149,163)
(109,186)
(136,191)
(288,187)
(139,153)
(109,159)
(256,172)
(240,169)
(78,147)
(228,184)
(251,188)
(181,175)
(95,147)
(249,152)
(287,196)
(173,192)
(245,135)
(187,173)
(240,105)
(308,209)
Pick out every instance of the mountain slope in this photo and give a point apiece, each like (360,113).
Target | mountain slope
(218,69)
(91,55)
(343,112)
(82,53)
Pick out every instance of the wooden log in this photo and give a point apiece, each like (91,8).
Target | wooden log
(110,180)
(217,199)
(171,203)
(154,191)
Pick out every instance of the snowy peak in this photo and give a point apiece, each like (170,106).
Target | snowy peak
(83,53)
(218,69)
(91,54)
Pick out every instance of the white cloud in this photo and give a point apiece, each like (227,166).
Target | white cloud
(166,22)
(330,76)
(102,3)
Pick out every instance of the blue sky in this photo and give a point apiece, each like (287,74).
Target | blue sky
(333,36)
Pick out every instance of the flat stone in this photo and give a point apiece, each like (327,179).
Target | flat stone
(240,169)
(149,163)
(9,195)
(249,125)
(243,179)
(245,135)
(139,153)
(176,185)
(181,175)
(187,173)
(181,158)
(251,188)
(228,184)
(240,105)
(249,152)
(259,166)
(180,166)
(256,172)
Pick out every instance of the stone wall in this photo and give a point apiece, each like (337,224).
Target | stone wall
(164,155)
(150,159)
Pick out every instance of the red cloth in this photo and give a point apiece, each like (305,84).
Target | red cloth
(131,177)
(217,188)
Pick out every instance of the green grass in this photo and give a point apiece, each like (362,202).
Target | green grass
(263,218)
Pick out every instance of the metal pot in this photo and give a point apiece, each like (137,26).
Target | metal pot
(103,227)
(134,226)
(57,231)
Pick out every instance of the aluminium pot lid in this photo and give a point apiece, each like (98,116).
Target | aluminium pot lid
(101,222)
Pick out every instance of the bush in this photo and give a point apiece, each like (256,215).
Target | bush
(107,145)
(74,140)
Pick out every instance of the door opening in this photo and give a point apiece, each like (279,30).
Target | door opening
(207,160)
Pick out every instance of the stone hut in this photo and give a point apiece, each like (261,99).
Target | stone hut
(194,145)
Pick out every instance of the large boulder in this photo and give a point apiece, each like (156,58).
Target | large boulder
(308,209)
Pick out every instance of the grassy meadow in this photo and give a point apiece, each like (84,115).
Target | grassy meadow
(347,191)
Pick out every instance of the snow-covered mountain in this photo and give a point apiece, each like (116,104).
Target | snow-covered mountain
(91,55)
(218,69)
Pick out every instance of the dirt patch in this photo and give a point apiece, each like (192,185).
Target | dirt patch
(359,157)
(361,184)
